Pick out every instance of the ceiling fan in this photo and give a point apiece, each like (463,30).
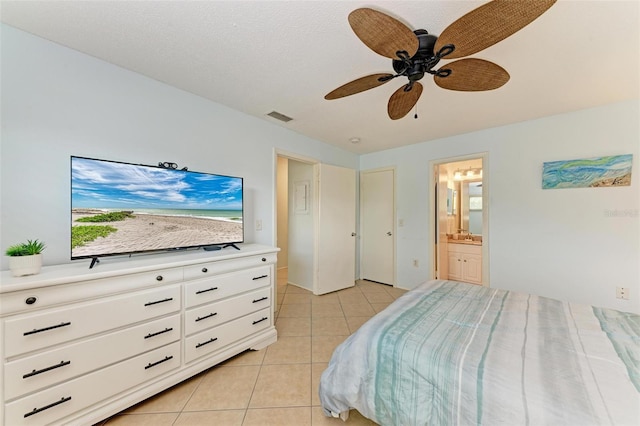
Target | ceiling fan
(416,53)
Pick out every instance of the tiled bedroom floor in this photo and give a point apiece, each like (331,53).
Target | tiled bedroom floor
(278,385)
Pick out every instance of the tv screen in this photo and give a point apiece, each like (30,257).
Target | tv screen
(120,208)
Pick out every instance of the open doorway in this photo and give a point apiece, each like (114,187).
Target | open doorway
(315,224)
(459,221)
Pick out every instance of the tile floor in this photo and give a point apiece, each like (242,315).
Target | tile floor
(278,385)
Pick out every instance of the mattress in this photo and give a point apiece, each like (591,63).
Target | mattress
(451,353)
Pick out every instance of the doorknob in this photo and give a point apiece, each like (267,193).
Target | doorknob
(389,233)
(353,234)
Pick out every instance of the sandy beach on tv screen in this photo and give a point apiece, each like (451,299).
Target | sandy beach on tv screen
(156,232)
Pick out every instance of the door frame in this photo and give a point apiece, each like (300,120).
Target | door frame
(486,235)
(395,220)
(278,153)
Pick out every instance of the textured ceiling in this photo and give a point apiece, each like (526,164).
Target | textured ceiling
(261,56)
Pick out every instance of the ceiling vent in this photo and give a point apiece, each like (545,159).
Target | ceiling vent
(278,116)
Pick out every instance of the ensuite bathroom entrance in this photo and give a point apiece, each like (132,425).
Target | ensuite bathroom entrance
(460,220)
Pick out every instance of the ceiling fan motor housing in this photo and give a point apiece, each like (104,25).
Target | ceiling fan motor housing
(423,60)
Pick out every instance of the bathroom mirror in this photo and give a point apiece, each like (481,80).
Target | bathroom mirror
(470,217)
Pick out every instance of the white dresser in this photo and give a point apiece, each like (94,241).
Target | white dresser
(79,344)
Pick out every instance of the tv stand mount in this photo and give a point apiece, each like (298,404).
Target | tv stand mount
(217,247)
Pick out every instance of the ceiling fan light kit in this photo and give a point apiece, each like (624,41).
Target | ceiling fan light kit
(416,53)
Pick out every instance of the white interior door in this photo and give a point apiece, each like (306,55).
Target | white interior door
(377,219)
(336,254)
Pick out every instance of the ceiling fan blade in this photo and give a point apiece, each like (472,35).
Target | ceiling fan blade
(471,75)
(401,102)
(489,24)
(382,33)
(359,85)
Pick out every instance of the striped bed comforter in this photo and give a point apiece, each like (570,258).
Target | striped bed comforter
(450,353)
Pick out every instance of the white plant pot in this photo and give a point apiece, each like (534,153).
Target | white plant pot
(25,265)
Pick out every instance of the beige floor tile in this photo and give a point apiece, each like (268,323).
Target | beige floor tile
(355,297)
(361,309)
(157,419)
(370,284)
(294,289)
(378,307)
(379,297)
(355,419)
(296,298)
(316,371)
(354,323)
(325,298)
(299,416)
(248,357)
(287,385)
(322,347)
(224,388)
(295,310)
(289,350)
(171,400)
(211,418)
(329,326)
(293,326)
(327,310)
(396,292)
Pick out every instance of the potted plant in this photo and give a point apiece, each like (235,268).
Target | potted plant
(25,258)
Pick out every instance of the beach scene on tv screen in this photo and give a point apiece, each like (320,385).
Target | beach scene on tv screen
(119,208)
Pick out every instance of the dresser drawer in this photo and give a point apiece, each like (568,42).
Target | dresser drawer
(29,332)
(55,403)
(204,270)
(219,337)
(55,366)
(55,295)
(207,316)
(221,286)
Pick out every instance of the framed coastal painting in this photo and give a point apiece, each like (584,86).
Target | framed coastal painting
(608,171)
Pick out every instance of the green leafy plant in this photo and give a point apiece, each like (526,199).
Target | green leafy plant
(29,248)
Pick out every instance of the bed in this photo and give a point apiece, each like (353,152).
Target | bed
(450,353)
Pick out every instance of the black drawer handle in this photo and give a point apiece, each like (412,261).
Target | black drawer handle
(260,320)
(166,358)
(44,370)
(204,291)
(159,278)
(46,407)
(166,330)
(212,314)
(213,339)
(260,277)
(40,330)
(260,300)
(205,270)
(168,299)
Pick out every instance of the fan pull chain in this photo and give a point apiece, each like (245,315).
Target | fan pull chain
(416,113)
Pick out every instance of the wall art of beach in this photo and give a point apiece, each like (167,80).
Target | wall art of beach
(589,172)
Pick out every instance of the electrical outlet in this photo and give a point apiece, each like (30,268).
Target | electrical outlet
(622,293)
(415,262)
(258,225)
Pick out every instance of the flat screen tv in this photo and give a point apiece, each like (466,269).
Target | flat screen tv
(120,208)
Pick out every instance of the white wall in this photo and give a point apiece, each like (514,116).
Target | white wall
(57,102)
(571,244)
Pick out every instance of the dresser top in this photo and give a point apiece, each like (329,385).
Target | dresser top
(78,270)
